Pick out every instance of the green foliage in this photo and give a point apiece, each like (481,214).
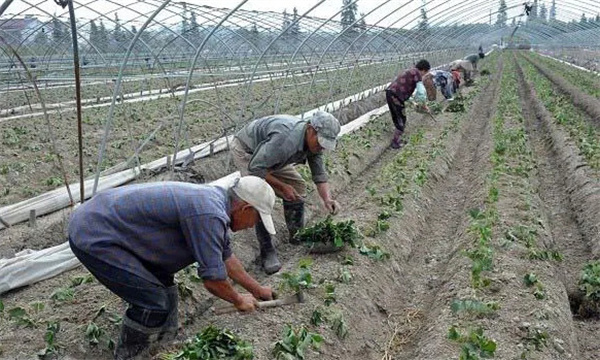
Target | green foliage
(93,333)
(589,280)
(52,327)
(345,276)
(79,280)
(53,181)
(545,255)
(374,252)
(348,260)
(213,343)
(295,343)
(327,231)
(330,297)
(474,345)
(316,318)
(1,306)
(63,294)
(338,325)
(302,279)
(535,339)
(457,105)
(530,279)
(474,307)
(20,316)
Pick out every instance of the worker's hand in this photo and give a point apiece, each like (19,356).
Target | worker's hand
(246,303)
(265,293)
(332,206)
(289,193)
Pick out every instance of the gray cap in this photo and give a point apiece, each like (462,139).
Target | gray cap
(328,128)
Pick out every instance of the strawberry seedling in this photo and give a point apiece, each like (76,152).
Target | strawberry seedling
(295,343)
(51,348)
(475,345)
(302,279)
(212,344)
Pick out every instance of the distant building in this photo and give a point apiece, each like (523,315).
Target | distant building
(18,31)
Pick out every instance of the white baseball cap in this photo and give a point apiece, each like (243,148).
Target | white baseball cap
(258,194)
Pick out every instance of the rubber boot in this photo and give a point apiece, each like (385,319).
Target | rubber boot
(135,340)
(396,142)
(268,255)
(171,325)
(294,218)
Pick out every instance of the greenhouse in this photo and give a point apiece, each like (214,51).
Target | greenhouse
(434,168)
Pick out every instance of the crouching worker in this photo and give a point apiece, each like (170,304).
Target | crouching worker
(134,238)
(269,147)
(439,79)
(398,92)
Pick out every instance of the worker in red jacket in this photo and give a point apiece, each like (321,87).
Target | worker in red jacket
(398,92)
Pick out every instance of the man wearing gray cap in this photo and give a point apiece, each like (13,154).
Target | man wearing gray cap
(268,148)
(134,238)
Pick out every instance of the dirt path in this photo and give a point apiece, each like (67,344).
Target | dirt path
(426,269)
(562,224)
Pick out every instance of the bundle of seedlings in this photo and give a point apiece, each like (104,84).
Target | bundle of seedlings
(327,236)
(457,105)
(213,343)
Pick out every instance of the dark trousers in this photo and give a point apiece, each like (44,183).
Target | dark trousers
(148,302)
(396,109)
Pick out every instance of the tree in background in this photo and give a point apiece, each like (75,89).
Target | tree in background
(543,15)
(534,11)
(194,30)
(184,24)
(552,16)
(57,30)
(423,28)
(295,29)
(117,33)
(349,10)
(286,21)
(502,17)
(362,25)
(93,33)
(102,37)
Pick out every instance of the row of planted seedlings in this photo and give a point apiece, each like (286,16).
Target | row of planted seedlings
(409,170)
(586,303)
(102,91)
(584,80)
(575,122)
(509,275)
(28,164)
(96,329)
(96,325)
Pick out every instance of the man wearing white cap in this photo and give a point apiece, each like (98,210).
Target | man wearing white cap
(134,238)
(268,148)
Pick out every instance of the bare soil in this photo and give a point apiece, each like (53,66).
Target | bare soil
(397,308)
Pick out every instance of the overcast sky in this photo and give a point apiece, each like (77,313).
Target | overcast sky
(396,13)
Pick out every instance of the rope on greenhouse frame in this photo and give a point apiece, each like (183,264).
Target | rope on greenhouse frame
(46,118)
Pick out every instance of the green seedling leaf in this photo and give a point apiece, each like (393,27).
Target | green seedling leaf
(327,231)
(295,343)
(20,316)
(63,294)
(339,326)
(345,276)
(348,260)
(211,344)
(37,306)
(316,318)
(79,280)
(530,279)
(1,306)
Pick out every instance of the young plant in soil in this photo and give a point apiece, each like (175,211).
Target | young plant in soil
(295,343)
(374,251)
(589,285)
(212,344)
(329,233)
(302,279)
(475,308)
(474,345)
(20,316)
(52,327)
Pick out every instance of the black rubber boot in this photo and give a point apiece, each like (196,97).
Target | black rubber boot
(294,218)
(170,327)
(268,254)
(135,340)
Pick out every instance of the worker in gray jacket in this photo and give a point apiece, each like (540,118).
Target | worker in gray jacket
(268,148)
